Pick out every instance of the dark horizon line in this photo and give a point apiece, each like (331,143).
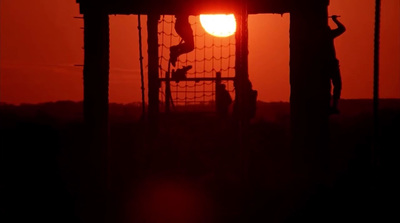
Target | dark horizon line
(206,102)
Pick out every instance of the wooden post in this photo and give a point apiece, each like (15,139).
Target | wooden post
(153,81)
(242,89)
(218,79)
(218,83)
(167,92)
(95,105)
(310,87)
(375,146)
(241,64)
(141,67)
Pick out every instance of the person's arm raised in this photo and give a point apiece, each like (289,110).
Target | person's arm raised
(340,27)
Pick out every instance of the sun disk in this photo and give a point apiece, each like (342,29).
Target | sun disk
(220,25)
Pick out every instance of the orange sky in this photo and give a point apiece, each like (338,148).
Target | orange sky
(40,42)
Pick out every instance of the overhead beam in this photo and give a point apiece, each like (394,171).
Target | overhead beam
(170,7)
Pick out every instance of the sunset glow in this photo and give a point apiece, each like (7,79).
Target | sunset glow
(219,25)
(42,42)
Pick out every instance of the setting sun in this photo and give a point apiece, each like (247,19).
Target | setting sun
(219,25)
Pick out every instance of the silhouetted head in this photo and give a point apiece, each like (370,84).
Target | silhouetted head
(221,87)
(182,16)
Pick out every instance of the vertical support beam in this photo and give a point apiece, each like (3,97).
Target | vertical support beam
(141,67)
(241,64)
(95,105)
(375,146)
(153,81)
(310,87)
(167,92)
(218,98)
(242,90)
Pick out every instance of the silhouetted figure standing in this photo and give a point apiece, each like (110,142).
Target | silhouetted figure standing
(184,30)
(333,65)
(249,102)
(223,100)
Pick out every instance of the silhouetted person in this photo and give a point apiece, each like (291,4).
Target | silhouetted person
(249,102)
(184,30)
(180,74)
(333,65)
(223,100)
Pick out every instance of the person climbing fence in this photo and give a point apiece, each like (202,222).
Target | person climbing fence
(211,55)
(184,30)
(180,74)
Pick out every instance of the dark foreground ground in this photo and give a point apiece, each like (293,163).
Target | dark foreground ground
(198,168)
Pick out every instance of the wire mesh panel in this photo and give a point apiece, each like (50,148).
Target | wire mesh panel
(210,55)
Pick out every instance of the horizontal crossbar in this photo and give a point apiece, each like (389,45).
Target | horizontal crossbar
(198,79)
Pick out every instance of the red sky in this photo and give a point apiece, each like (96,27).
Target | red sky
(40,42)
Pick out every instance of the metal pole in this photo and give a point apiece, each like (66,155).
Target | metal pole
(376,82)
(153,75)
(141,66)
(218,83)
(167,91)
